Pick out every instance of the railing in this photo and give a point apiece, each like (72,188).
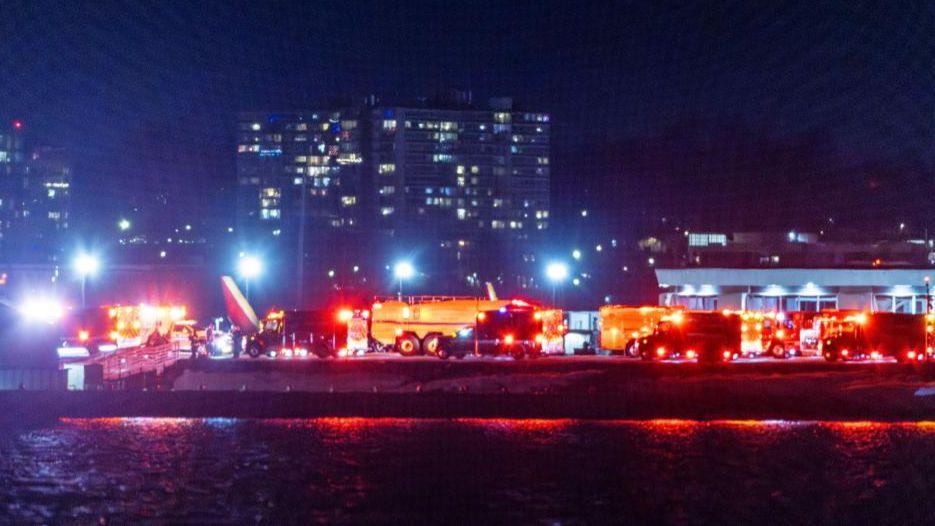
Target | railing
(136,360)
(426,299)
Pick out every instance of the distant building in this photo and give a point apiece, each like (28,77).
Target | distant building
(446,171)
(354,186)
(35,197)
(795,289)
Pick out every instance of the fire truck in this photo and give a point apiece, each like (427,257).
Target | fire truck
(416,324)
(513,330)
(553,331)
(109,328)
(622,326)
(876,335)
(324,333)
(694,335)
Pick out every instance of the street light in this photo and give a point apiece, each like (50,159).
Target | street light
(557,272)
(403,271)
(124,224)
(85,265)
(249,267)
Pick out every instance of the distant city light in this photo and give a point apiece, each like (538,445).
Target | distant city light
(18,124)
(249,267)
(576,282)
(651,261)
(356,268)
(599,248)
(576,254)
(584,213)
(86,265)
(556,271)
(123,224)
(162,254)
(331,273)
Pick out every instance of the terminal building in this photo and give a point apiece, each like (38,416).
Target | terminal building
(795,271)
(795,289)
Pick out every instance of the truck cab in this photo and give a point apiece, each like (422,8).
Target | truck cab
(694,335)
(510,330)
(321,332)
(877,335)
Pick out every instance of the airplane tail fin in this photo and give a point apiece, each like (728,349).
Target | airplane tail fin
(238,308)
(491,293)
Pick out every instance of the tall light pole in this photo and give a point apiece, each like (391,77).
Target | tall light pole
(403,271)
(249,267)
(557,272)
(85,265)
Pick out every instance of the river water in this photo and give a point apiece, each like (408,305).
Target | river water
(220,471)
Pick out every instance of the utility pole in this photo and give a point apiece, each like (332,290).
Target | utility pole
(300,269)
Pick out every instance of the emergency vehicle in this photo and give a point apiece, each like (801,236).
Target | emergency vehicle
(621,327)
(553,331)
(513,330)
(415,325)
(694,335)
(108,328)
(324,333)
(876,335)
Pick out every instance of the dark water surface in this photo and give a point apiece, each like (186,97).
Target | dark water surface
(490,471)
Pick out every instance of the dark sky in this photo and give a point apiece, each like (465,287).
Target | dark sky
(146,93)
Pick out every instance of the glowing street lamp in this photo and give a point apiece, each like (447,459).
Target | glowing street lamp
(123,224)
(557,272)
(249,267)
(403,271)
(85,265)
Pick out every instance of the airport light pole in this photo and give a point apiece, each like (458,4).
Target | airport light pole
(403,271)
(249,267)
(557,272)
(85,265)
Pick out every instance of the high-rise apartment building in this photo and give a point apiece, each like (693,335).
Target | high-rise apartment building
(35,197)
(446,172)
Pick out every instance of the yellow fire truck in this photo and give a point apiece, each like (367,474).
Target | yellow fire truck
(622,326)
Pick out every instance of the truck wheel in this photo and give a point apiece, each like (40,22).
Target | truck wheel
(518,351)
(778,351)
(254,350)
(321,350)
(408,345)
(631,350)
(431,344)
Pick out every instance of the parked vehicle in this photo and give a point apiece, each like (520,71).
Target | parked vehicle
(622,326)
(324,333)
(876,335)
(512,330)
(694,335)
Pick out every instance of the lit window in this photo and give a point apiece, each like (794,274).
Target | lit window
(386,210)
(462,214)
(349,200)
(390,125)
(255,126)
(386,168)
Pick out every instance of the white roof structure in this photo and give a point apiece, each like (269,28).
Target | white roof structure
(792,277)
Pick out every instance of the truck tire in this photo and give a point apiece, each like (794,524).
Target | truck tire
(518,351)
(408,345)
(631,350)
(254,350)
(322,350)
(778,351)
(431,344)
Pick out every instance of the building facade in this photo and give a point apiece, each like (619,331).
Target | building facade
(795,289)
(356,187)
(35,197)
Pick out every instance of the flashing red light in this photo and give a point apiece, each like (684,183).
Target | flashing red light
(83,335)
(508,339)
(17,124)
(727,355)
(661,351)
(911,355)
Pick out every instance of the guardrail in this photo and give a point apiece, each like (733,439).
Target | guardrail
(136,360)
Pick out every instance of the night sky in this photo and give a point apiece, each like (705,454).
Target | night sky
(732,99)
